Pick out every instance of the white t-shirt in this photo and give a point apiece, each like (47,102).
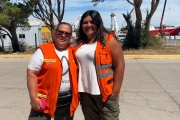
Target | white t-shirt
(87,81)
(37,61)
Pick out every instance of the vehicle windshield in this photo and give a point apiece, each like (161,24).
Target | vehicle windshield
(122,36)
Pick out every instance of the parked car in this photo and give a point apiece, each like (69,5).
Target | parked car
(121,37)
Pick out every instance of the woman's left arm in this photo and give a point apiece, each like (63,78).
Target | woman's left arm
(118,63)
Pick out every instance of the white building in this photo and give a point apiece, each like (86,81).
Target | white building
(32,36)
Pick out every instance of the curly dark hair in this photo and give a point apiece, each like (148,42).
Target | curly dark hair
(97,20)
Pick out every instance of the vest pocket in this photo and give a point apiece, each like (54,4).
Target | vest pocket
(43,96)
(109,86)
(104,59)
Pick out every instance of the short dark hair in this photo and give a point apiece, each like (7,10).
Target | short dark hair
(97,20)
(65,24)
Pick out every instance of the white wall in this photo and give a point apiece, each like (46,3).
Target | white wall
(29,35)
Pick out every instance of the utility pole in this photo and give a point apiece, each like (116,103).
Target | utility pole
(160,28)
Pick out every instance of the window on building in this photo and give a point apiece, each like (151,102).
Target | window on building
(21,35)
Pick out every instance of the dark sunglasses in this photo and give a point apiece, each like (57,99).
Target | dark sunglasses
(59,32)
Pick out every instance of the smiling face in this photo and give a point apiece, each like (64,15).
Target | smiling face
(89,28)
(63,36)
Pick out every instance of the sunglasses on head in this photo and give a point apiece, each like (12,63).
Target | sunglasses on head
(59,32)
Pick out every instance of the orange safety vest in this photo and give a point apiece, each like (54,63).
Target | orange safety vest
(104,70)
(49,79)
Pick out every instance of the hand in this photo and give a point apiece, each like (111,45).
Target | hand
(36,103)
(114,96)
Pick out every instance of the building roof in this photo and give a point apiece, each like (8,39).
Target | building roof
(35,23)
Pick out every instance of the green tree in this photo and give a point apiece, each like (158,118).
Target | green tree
(12,16)
(137,36)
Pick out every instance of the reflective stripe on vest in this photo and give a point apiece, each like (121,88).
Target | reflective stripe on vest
(102,67)
(104,75)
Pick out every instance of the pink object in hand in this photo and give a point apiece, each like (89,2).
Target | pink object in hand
(43,104)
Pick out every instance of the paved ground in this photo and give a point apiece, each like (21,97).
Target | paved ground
(150,91)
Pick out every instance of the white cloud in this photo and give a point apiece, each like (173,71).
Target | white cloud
(76,7)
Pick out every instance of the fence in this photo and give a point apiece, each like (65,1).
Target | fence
(171,41)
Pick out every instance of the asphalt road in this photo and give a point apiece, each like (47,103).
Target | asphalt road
(150,91)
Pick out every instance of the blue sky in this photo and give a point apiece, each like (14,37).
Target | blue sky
(75,8)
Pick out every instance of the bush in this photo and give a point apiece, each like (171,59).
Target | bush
(152,41)
(30,49)
(133,40)
(22,46)
(140,39)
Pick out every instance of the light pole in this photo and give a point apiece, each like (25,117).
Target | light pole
(160,28)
